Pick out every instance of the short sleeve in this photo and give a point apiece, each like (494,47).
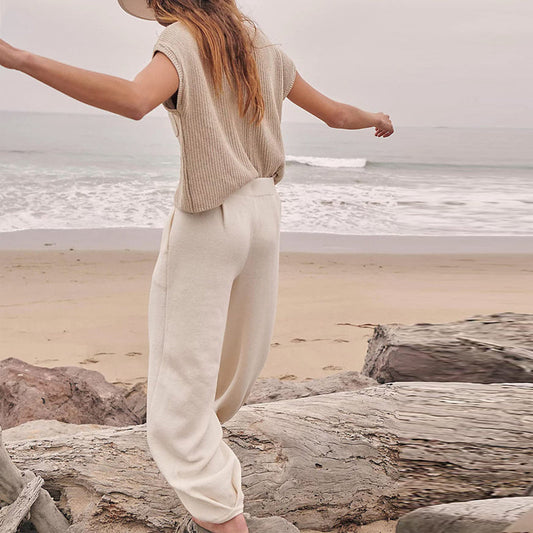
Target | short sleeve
(168,43)
(289,72)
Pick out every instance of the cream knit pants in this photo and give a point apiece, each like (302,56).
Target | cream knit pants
(211,315)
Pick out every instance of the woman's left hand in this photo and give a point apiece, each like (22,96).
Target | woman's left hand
(10,57)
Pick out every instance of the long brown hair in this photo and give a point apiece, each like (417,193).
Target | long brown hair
(224,43)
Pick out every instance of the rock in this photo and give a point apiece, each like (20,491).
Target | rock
(494,348)
(136,400)
(272,389)
(79,396)
(64,393)
(476,516)
(523,524)
(269,524)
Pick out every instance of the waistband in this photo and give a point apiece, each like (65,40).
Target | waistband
(257,187)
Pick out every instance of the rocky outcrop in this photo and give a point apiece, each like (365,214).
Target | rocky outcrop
(65,393)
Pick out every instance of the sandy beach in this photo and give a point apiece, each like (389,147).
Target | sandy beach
(88,307)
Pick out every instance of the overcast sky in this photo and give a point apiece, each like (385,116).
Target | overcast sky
(424,62)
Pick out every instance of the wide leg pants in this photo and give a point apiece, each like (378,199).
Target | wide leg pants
(211,316)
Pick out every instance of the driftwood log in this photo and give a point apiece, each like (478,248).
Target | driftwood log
(12,515)
(494,348)
(16,488)
(320,462)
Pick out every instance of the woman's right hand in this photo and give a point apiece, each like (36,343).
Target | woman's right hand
(383,126)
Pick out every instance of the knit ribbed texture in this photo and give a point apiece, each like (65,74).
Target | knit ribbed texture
(220,150)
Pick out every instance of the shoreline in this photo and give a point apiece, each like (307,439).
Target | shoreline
(148,239)
(89,307)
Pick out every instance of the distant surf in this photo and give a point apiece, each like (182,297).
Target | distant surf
(361,162)
(63,173)
(328,162)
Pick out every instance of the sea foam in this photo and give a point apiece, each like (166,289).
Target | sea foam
(328,162)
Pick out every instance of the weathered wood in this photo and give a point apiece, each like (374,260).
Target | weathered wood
(320,462)
(44,428)
(45,516)
(494,348)
(12,515)
(478,516)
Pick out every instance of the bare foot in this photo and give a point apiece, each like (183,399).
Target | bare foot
(235,525)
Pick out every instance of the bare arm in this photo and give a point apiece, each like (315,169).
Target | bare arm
(337,114)
(157,82)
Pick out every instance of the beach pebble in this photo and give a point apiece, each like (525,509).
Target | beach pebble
(270,524)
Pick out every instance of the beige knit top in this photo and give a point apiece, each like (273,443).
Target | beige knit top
(221,151)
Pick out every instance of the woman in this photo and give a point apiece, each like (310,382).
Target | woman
(214,286)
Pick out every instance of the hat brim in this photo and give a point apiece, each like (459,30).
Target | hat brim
(137,8)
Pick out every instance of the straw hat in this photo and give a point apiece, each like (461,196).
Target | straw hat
(137,8)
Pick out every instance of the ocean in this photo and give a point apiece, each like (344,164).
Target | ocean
(105,171)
